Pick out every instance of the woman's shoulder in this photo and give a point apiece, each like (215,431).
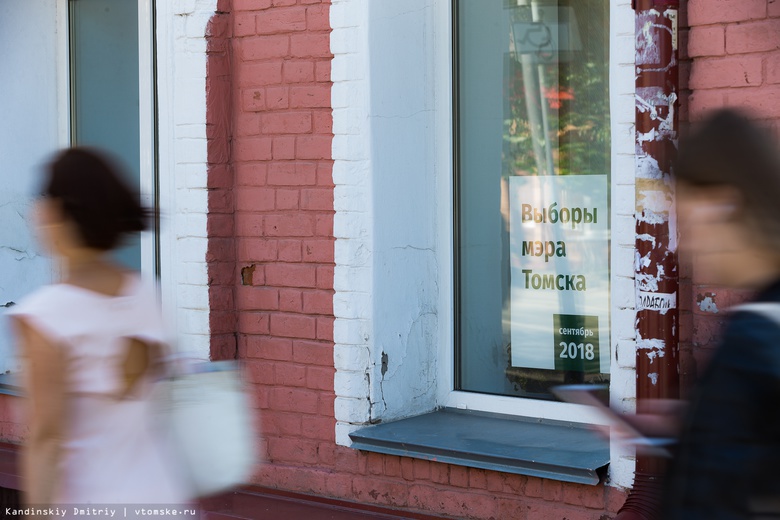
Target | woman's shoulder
(42,299)
(51,309)
(63,308)
(54,295)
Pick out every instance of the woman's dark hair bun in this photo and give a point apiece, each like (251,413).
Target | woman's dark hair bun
(94,196)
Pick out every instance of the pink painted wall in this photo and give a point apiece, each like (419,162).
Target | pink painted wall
(731,58)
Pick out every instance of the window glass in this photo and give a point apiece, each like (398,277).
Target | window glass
(105,89)
(532,195)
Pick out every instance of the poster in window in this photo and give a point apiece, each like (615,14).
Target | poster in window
(559,256)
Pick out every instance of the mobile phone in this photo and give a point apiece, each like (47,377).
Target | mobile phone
(588,395)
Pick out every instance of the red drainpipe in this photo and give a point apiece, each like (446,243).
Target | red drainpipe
(656,274)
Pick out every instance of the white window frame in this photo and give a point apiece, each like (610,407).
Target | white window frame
(148,130)
(622,372)
(146,110)
(448,396)
(63,73)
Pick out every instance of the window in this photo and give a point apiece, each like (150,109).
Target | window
(532,212)
(45,110)
(108,100)
(400,256)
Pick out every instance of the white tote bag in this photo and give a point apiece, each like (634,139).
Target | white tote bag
(208,417)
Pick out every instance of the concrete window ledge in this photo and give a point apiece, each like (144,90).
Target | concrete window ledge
(555,450)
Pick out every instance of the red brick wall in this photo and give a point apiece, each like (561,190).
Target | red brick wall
(282,202)
(221,221)
(733,45)
(13,427)
(731,59)
(271,276)
(283,210)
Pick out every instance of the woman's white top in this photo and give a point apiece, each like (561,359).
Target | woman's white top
(113,450)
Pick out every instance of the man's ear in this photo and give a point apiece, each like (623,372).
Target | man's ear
(727,200)
(715,203)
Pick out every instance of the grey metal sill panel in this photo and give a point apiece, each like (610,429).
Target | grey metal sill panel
(522,445)
(10,385)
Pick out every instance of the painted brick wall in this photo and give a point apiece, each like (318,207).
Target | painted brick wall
(221,252)
(271,268)
(181,131)
(281,198)
(732,60)
(687,359)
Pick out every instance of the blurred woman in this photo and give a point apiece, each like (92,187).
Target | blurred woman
(90,345)
(725,466)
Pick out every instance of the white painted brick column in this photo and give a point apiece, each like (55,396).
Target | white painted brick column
(623,367)
(181,75)
(352,226)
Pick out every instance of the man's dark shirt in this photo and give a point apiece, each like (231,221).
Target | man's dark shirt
(727,464)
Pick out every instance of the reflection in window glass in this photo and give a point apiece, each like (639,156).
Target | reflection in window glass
(532,219)
(105,89)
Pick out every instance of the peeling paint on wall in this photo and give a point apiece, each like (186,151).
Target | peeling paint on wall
(646,48)
(655,348)
(647,238)
(648,281)
(655,262)
(706,302)
(247,274)
(661,107)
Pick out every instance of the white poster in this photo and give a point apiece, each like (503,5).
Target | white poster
(559,256)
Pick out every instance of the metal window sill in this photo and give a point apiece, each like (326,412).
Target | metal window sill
(556,450)
(10,385)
